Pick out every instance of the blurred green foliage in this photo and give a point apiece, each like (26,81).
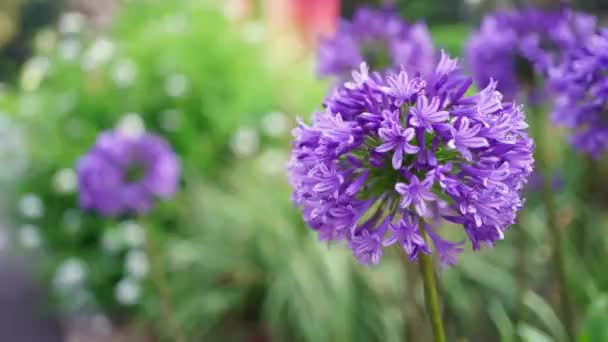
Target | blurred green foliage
(162,64)
(450,37)
(432,11)
(239,262)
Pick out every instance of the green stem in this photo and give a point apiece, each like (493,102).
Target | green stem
(157,275)
(430,290)
(522,280)
(411,320)
(548,198)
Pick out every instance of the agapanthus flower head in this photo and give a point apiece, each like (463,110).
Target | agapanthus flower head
(394,155)
(125,173)
(518,47)
(580,85)
(379,37)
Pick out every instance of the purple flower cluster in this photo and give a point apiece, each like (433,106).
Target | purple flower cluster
(518,47)
(581,87)
(123,173)
(393,155)
(380,38)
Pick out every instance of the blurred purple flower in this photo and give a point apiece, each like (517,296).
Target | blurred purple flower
(380,38)
(580,85)
(518,47)
(124,173)
(385,157)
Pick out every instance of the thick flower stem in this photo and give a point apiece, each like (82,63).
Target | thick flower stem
(411,320)
(522,279)
(158,279)
(430,291)
(548,198)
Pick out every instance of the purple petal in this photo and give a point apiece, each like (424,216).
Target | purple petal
(397,158)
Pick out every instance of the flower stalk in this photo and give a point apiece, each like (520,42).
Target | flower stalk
(430,291)
(411,318)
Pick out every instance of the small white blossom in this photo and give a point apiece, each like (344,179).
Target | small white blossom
(65,181)
(136,264)
(31,206)
(245,142)
(127,291)
(176,85)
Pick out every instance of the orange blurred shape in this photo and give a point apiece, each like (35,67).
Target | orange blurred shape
(314,18)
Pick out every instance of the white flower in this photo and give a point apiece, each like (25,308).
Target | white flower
(31,206)
(176,85)
(65,181)
(275,124)
(133,234)
(127,291)
(245,142)
(136,264)
(131,125)
(124,73)
(99,53)
(70,274)
(71,22)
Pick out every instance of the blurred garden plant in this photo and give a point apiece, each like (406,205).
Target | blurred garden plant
(528,51)
(130,80)
(233,255)
(380,38)
(237,260)
(142,76)
(519,47)
(581,84)
(123,174)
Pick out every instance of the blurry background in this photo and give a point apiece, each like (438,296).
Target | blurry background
(223,81)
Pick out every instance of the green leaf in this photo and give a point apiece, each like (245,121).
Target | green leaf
(532,334)
(595,326)
(546,315)
(499,316)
